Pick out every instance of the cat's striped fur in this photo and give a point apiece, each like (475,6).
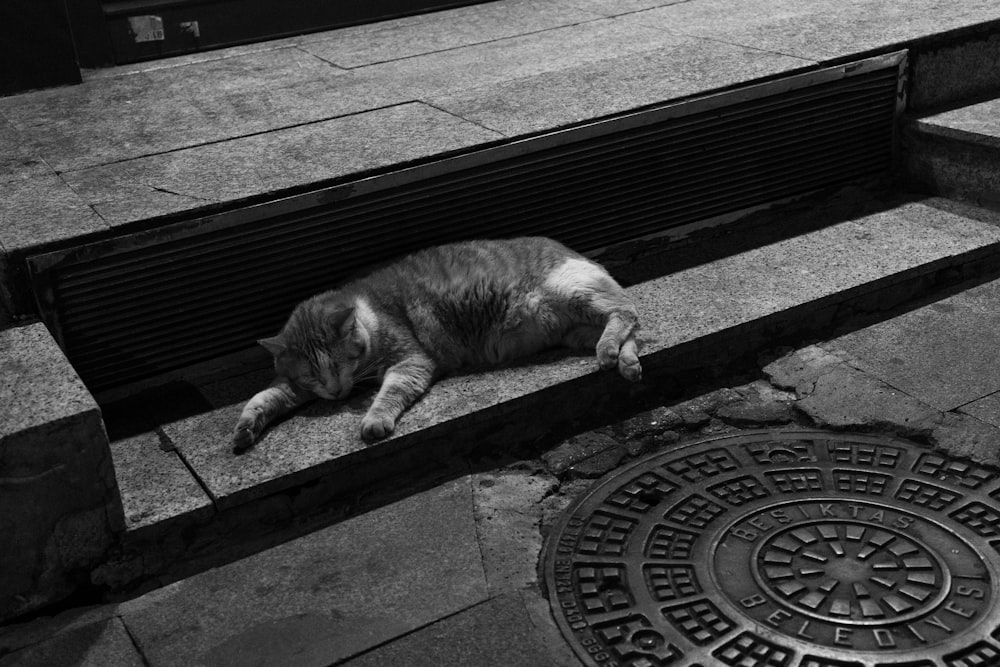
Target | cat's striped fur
(431,313)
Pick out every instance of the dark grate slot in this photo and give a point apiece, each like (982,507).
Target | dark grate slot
(165,303)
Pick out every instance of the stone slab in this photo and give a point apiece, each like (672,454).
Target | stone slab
(496,633)
(42,209)
(325,436)
(266,163)
(326,596)
(943,354)
(478,65)
(618,7)
(680,67)
(125,117)
(985,409)
(19,159)
(38,386)
(978,123)
(507,520)
(684,307)
(852,254)
(155,484)
(817,31)
(442,31)
(947,75)
(101,644)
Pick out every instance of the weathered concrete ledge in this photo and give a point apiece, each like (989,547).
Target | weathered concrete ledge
(59,505)
(956,153)
(696,322)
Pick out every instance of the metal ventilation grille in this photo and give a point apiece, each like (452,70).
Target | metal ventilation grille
(128,309)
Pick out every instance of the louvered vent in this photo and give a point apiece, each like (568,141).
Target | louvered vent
(128,309)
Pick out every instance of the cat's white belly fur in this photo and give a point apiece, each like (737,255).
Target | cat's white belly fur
(541,323)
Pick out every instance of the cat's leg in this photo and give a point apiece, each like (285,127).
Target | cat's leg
(595,297)
(402,385)
(617,347)
(280,398)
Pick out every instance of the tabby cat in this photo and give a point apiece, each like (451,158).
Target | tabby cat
(431,313)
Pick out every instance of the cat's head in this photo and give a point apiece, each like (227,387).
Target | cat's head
(319,349)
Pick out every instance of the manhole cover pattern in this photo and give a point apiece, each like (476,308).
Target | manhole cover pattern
(788,548)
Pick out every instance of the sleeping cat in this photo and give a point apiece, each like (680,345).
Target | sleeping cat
(431,313)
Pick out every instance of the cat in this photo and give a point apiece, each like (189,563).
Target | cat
(410,322)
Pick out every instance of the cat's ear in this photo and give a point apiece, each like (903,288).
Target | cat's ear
(341,320)
(275,345)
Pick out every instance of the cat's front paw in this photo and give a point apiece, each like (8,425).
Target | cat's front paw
(245,434)
(376,425)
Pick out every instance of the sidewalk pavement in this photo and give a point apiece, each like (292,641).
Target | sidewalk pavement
(449,575)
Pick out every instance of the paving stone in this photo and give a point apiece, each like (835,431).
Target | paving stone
(756,412)
(617,7)
(155,484)
(598,464)
(965,436)
(508,515)
(444,30)
(918,352)
(101,644)
(978,122)
(38,387)
(446,72)
(19,158)
(325,436)
(265,163)
(162,110)
(42,209)
(985,409)
(678,67)
(577,449)
(497,633)
(847,398)
(326,596)
(799,369)
(691,303)
(650,422)
(815,30)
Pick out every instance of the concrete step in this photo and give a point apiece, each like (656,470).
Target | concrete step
(190,502)
(59,503)
(956,153)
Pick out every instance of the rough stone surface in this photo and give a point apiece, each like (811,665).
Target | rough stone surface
(242,167)
(471,637)
(599,464)
(800,369)
(507,521)
(846,398)
(59,505)
(979,122)
(679,66)
(443,31)
(985,409)
(950,74)
(756,412)
(577,449)
(155,485)
(101,644)
(810,30)
(324,597)
(917,351)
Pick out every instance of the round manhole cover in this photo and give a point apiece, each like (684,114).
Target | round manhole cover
(797,548)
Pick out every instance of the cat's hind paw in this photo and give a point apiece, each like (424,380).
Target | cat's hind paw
(376,426)
(628,361)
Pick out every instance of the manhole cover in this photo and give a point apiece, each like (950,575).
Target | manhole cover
(767,549)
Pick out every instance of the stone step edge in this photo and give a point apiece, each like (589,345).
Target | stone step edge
(332,489)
